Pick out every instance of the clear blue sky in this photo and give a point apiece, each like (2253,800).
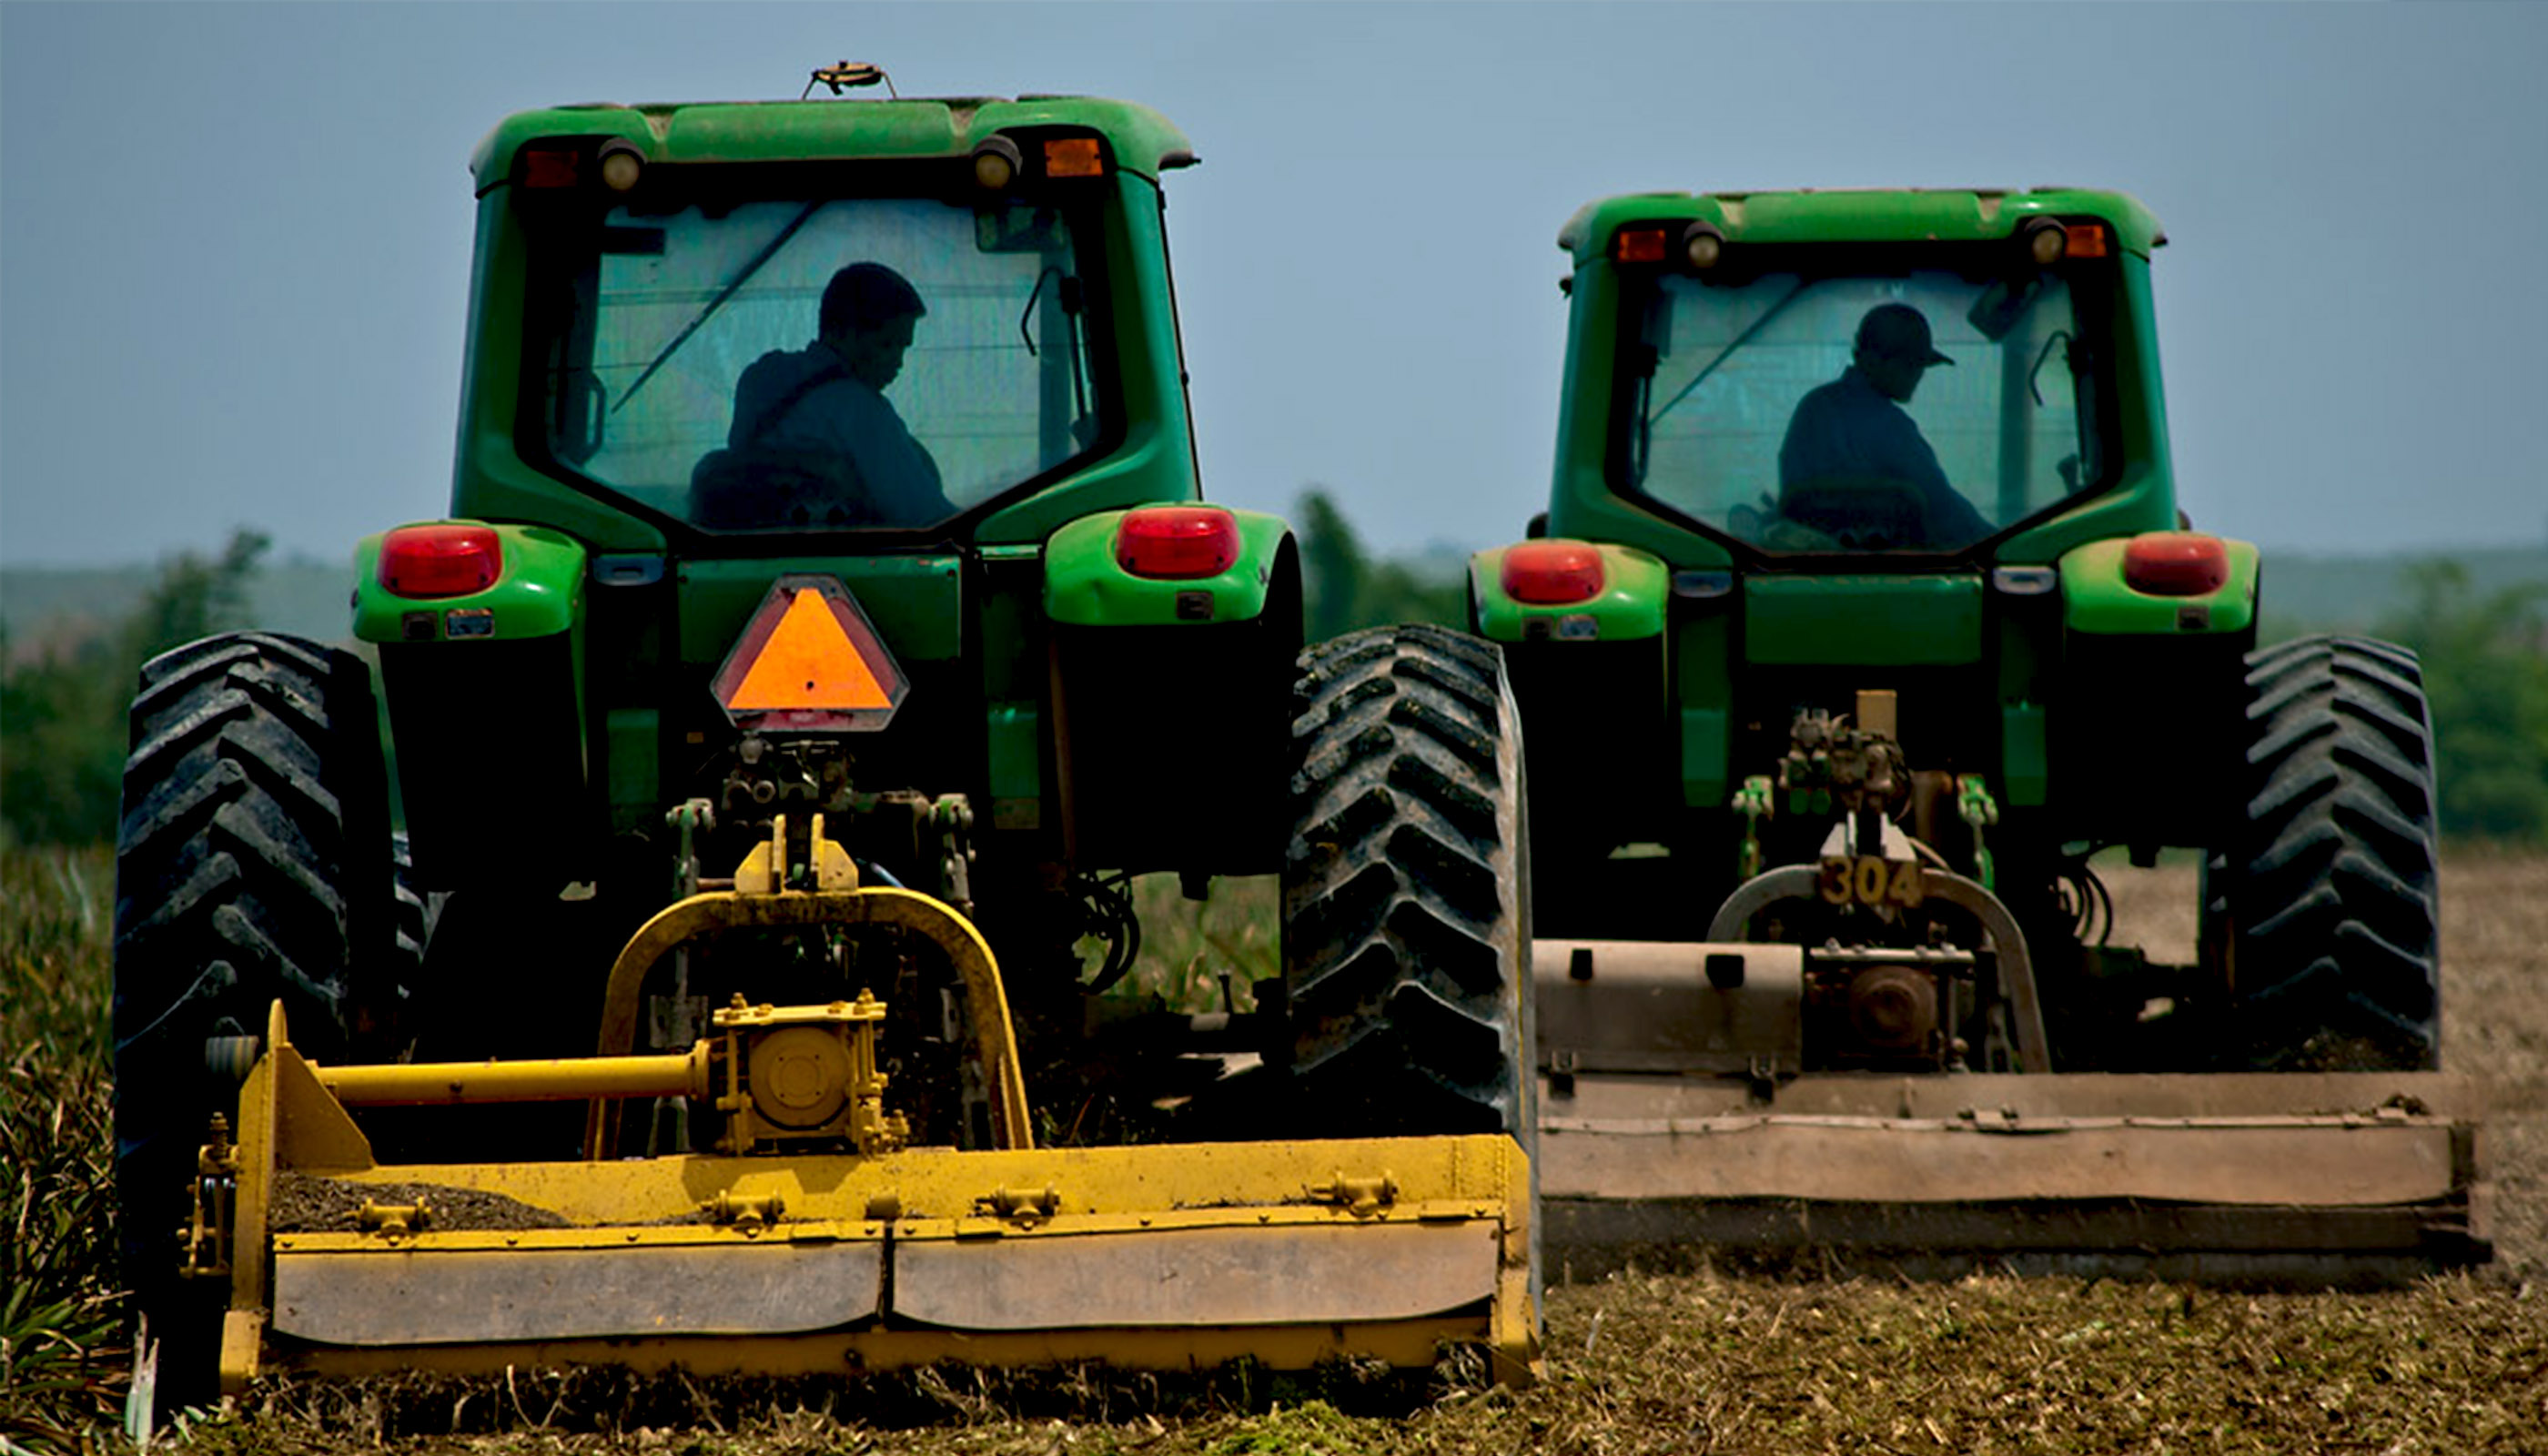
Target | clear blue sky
(234,239)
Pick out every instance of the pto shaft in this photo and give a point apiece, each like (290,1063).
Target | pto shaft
(558,1079)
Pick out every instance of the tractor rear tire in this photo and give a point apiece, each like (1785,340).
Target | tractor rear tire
(253,863)
(1406,890)
(2323,909)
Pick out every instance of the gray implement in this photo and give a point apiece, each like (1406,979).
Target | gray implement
(1671,1117)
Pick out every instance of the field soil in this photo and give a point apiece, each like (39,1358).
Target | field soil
(1684,1360)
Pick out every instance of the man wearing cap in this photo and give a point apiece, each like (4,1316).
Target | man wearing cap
(1854,432)
(826,401)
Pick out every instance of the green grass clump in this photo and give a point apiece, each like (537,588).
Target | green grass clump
(63,1362)
(1187,945)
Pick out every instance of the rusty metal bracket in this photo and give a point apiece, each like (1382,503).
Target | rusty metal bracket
(209,1226)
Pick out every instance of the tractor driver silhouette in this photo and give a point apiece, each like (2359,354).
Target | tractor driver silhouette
(1855,467)
(814,440)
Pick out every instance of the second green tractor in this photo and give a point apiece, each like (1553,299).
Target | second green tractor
(1863,630)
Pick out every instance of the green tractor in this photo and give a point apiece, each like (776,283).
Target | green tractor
(826,628)
(1863,618)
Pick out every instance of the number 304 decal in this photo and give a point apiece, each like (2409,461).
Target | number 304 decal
(1870,880)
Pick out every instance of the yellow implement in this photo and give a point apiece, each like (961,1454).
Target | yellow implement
(815,1241)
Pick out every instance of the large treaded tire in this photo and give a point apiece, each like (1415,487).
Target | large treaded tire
(2325,901)
(1406,890)
(253,863)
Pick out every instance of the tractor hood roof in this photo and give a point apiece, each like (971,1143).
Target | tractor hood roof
(1142,140)
(1908,214)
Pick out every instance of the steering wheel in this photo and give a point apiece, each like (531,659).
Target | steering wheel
(1871,513)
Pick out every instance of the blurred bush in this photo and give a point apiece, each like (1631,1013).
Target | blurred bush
(62,709)
(1345,587)
(2486,674)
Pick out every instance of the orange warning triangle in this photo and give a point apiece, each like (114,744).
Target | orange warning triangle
(808,662)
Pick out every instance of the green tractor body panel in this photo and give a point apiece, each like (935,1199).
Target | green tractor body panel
(633,265)
(1871,621)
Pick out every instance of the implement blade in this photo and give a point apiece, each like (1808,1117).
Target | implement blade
(2344,1178)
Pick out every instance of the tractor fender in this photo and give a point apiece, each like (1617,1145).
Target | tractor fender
(538,592)
(2097,599)
(1086,585)
(1626,602)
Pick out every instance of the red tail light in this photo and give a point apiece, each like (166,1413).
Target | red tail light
(1553,573)
(552,166)
(2176,564)
(1178,542)
(441,560)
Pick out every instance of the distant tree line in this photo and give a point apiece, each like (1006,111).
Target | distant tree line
(62,710)
(2486,676)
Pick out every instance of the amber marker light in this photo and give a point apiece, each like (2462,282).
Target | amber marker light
(2086,239)
(1639,245)
(1073,156)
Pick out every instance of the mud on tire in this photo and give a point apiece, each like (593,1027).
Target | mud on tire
(254,862)
(1406,889)
(2324,906)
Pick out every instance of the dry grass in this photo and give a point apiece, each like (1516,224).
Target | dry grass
(62,1359)
(1188,946)
(1695,1363)
(1638,1363)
